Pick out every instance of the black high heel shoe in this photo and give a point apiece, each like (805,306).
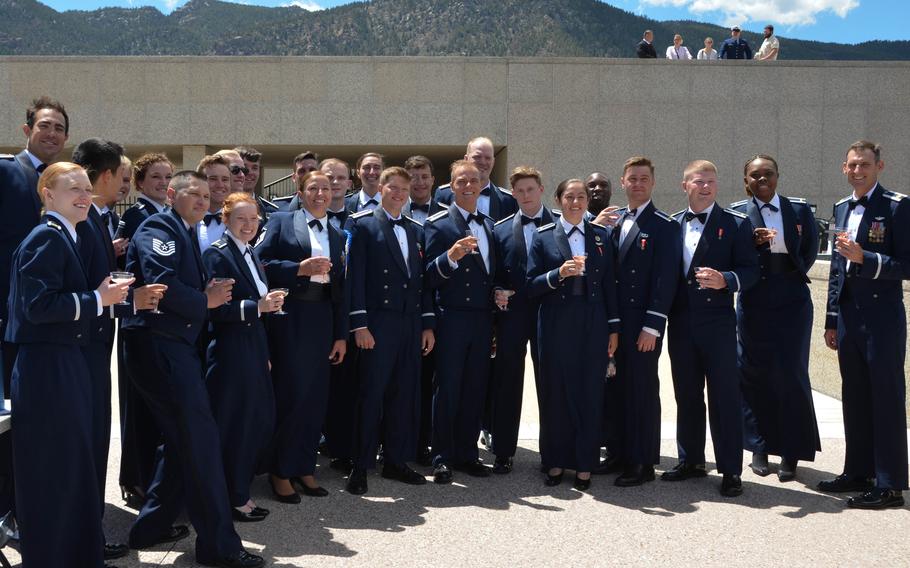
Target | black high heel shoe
(292,499)
(553,480)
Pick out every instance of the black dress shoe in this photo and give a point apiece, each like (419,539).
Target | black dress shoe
(877,499)
(610,464)
(473,468)
(731,486)
(634,475)
(244,517)
(114,551)
(845,484)
(684,471)
(260,511)
(132,498)
(175,533)
(343,465)
(502,466)
(310,491)
(403,474)
(787,471)
(442,474)
(553,480)
(582,484)
(242,559)
(357,481)
(759,464)
(292,499)
(425,457)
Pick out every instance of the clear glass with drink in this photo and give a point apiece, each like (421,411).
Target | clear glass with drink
(471,233)
(121,277)
(284,293)
(840,233)
(580,260)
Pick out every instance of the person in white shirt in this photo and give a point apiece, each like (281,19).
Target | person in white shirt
(770,47)
(708,53)
(218,175)
(678,50)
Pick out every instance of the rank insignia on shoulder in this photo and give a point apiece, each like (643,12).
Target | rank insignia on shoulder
(162,248)
(736,213)
(261,237)
(219,244)
(504,219)
(894,196)
(797,200)
(844,200)
(361,213)
(546,227)
(7,157)
(54,225)
(660,214)
(739,203)
(437,216)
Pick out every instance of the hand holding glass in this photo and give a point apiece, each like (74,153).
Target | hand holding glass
(121,277)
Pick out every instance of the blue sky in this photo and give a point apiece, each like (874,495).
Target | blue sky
(842,21)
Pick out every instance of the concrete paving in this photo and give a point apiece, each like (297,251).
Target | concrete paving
(515,520)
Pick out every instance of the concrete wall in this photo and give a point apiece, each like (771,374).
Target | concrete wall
(565,116)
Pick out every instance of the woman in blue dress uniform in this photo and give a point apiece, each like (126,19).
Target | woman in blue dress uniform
(51,308)
(571,272)
(237,374)
(305,254)
(774,320)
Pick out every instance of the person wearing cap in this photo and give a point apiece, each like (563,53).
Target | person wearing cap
(770,47)
(735,47)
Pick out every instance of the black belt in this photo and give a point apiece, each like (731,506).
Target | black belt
(780,263)
(315,292)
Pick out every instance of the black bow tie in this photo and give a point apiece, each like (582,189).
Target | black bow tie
(701,216)
(632,212)
(773,208)
(371,202)
(106,218)
(574,230)
(476,217)
(425,207)
(399,221)
(525,220)
(862,201)
(209,217)
(485,191)
(40,169)
(335,214)
(248,251)
(315,223)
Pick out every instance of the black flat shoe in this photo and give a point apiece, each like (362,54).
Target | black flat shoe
(403,474)
(291,499)
(114,551)
(553,480)
(242,559)
(787,471)
(877,499)
(357,482)
(314,491)
(260,511)
(582,484)
(175,533)
(845,484)
(759,464)
(731,486)
(442,474)
(684,471)
(502,466)
(473,468)
(634,475)
(244,517)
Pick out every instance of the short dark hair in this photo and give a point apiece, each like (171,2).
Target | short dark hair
(97,156)
(769,27)
(418,161)
(249,154)
(369,155)
(637,161)
(306,155)
(184,178)
(42,103)
(564,185)
(760,157)
(863,145)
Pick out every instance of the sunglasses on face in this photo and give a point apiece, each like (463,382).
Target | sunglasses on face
(239,169)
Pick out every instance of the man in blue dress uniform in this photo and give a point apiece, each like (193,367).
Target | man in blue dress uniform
(369,167)
(494,202)
(460,263)
(648,256)
(867,325)
(735,47)
(167,371)
(516,320)
(392,320)
(718,260)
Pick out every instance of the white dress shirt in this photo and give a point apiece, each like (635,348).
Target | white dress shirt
(773,220)
(692,231)
(208,234)
(417,214)
(855,216)
(319,244)
(480,233)
(402,236)
(72,232)
(250,263)
(364,198)
(577,239)
(530,229)
(681,52)
(629,220)
(483,201)
(335,221)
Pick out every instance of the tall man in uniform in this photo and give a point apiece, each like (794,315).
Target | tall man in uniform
(217,172)
(102,161)
(166,368)
(516,319)
(392,320)
(460,263)
(718,260)
(494,202)
(867,325)
(46,130)
(369,166)
(649,253)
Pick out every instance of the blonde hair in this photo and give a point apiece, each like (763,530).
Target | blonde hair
(696,166)
(53,173)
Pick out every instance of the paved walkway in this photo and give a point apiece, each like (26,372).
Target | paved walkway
(515,521)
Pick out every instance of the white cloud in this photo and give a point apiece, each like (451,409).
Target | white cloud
(307,5)
(171,4)
(785,12)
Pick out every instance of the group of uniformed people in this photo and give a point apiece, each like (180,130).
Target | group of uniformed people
(394,321)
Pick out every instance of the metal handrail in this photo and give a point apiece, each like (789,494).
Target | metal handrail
(281,187)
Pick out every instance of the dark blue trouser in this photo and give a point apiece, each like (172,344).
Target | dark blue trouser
(515,328)
(636,388)
(98,357)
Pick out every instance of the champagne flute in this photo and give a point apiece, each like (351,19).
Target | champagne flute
(580,260)
(284,293)
(840,232)
(469,232)
(121,277)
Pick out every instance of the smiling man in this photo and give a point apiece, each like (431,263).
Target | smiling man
(216,170)
(494,202)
